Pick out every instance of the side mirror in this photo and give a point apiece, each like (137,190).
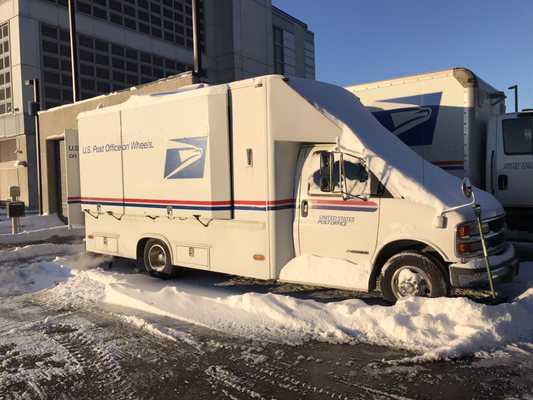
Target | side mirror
(466,188)
(326,171)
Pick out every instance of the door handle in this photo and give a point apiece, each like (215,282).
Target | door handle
(503,181)
(305,208)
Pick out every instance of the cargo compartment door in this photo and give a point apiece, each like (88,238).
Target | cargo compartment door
(336,226)
(176,155)
(100,162)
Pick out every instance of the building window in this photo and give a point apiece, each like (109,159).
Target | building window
(289,54)
(103,66)
(6,99)
(309,60)
(279,63)
(162,19)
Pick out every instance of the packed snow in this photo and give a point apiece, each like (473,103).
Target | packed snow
(433,328)
(336,272)
(34,228)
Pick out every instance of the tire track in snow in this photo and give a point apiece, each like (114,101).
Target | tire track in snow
(284,381)
(58,352)
(94,359)
(219,375)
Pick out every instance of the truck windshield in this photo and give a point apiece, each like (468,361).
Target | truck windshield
(517,136)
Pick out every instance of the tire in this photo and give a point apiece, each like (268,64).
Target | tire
(410,274)
(158,260)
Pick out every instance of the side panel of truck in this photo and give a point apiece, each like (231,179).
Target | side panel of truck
(101,178)
(176,157)
(190,213)
(442,116)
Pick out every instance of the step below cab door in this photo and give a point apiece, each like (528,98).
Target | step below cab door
(336,215)
(512,170)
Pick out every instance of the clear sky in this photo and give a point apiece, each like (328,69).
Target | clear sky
(360,41)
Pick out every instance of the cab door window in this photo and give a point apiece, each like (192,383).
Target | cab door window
(350,176)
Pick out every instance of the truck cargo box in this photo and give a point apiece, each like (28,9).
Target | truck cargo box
(172,158)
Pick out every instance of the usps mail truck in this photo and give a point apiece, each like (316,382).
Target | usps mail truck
(279,179)
(457,121)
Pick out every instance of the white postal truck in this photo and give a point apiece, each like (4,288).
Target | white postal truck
(279,179)
(457,121)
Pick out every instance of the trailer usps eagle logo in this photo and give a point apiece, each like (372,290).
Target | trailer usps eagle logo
(411,118)
(185,158)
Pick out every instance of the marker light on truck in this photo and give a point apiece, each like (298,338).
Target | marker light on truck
(464,248)
(463,231)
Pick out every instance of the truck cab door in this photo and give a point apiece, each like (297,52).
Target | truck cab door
(340,221)
(513,164)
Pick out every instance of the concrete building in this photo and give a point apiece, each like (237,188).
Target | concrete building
(123,44)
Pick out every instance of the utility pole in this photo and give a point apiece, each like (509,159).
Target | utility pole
(197,50)
(34,108)
(73,50)
(515,88)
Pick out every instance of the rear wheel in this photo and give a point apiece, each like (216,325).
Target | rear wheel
(410,274)
(157,259)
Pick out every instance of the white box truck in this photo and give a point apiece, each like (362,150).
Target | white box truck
(279,179)
(457,121)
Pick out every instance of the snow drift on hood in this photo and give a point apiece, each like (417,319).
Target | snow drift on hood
(401,170)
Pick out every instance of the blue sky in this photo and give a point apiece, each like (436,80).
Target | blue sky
(360,41)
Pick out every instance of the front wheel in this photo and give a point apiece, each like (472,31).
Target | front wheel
(157,259)
(410,274)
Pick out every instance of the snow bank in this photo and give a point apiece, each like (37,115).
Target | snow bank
(18,277)
(39,250)
(433,328)
(35,228)
(31,278)
(436,328)
(326,271)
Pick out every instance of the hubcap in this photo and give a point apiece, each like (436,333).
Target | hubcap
(410,281)
(157,258)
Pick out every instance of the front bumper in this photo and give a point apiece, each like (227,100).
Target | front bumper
(473,273)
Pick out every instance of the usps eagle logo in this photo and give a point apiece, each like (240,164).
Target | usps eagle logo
(185,158)
(412,118)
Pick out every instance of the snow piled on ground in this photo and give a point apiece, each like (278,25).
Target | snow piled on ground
(34,228)
(433,328)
